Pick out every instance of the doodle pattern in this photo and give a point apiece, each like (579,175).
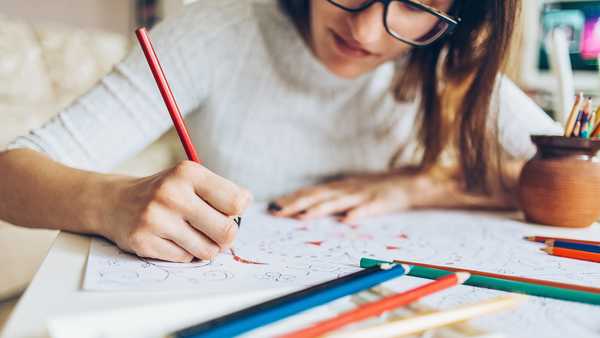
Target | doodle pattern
(273,251)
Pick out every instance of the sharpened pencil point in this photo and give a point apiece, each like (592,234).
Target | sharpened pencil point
(462,277)
(548,250)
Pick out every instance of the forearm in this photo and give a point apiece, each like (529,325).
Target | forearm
(38,192)
(444,189)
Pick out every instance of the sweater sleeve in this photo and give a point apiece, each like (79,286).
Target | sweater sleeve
(519,118)
(124,112)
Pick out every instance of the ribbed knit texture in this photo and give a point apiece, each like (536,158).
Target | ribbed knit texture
(262,110)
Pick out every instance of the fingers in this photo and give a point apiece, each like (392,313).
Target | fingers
(302,200)
(334,206)
(192,241)
(220,229)
(151,246)
(377,205)
(217,191)
(372,208)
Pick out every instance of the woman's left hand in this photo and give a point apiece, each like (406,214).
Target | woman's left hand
(354,197)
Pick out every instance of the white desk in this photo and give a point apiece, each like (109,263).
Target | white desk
(55,290)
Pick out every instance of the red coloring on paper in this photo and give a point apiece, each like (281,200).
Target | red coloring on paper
(242,260)
(315,243)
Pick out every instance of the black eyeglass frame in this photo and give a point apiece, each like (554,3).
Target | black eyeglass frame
(452,21)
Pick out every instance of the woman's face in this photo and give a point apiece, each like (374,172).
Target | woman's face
(351,44)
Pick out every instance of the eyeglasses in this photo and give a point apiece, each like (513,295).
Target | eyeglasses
(409,21)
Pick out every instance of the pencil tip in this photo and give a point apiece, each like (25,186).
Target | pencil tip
(406,267)
(462,277)
(547,249)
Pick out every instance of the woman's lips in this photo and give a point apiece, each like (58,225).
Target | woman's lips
(348,48)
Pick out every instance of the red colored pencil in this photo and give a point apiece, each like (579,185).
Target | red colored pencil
(376,308)
(167,94)
(507,277)
(543,239)
(574,254)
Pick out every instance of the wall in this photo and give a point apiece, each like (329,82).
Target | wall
(108,15)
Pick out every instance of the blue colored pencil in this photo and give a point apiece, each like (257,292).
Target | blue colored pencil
(575,246)
(279,308)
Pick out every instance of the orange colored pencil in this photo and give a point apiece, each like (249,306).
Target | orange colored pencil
(574,254)
(572,120)
(543,239)
(378,307)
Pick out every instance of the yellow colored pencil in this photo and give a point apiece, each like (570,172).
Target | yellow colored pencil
(573,115)
(436,319)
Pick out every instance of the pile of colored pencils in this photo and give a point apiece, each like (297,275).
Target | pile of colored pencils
(570,248)
(583,121)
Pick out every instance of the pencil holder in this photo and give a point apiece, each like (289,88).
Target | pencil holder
(560,185)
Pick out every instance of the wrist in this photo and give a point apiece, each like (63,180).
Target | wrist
(431,191)
(100,196)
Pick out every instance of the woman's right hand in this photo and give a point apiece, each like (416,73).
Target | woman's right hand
(175,215)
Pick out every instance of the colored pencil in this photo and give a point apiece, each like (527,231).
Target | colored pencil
(585,118)
(574,254)
(166,93)
(543,239)
(369,262)
(273,310)
(378,307)
(437,319)
(575,246)
(533,287)
(168,97)
(573,115)
(577,129)
(596,131)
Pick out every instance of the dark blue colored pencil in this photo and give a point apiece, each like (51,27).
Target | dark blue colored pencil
(276,309)
(575,246)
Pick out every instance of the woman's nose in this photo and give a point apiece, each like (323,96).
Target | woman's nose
(367,26)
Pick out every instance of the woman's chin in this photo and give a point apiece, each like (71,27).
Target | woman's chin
(346,71)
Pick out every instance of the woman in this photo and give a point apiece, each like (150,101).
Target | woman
(402,97)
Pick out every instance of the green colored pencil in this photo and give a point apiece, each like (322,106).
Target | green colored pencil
(501,284)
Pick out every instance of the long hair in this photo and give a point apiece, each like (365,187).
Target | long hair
(454,80)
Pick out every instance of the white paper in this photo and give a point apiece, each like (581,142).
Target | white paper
(296,253)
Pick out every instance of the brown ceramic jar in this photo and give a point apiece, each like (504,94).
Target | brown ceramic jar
(560,185)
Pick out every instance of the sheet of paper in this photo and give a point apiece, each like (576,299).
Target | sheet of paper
(272,252)
(275,252)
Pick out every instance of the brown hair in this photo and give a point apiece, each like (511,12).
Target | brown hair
(465,64)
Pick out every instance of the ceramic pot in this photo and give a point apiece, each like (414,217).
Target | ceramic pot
(560,185)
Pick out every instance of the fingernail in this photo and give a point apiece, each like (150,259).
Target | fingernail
(238,221)
(274,207)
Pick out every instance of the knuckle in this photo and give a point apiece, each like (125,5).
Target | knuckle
(185,168)
(239,202)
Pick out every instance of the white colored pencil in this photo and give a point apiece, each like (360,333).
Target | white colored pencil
(437,319)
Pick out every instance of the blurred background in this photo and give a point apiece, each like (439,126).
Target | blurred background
(53,51)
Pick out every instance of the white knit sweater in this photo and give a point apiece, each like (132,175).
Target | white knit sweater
(260,107)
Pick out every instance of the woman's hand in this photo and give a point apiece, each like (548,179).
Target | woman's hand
(353,197)
(360,196)
(175,215)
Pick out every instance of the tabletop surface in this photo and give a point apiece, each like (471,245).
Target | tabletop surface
(56,290)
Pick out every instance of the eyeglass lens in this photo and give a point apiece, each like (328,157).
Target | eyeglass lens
(408,22)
